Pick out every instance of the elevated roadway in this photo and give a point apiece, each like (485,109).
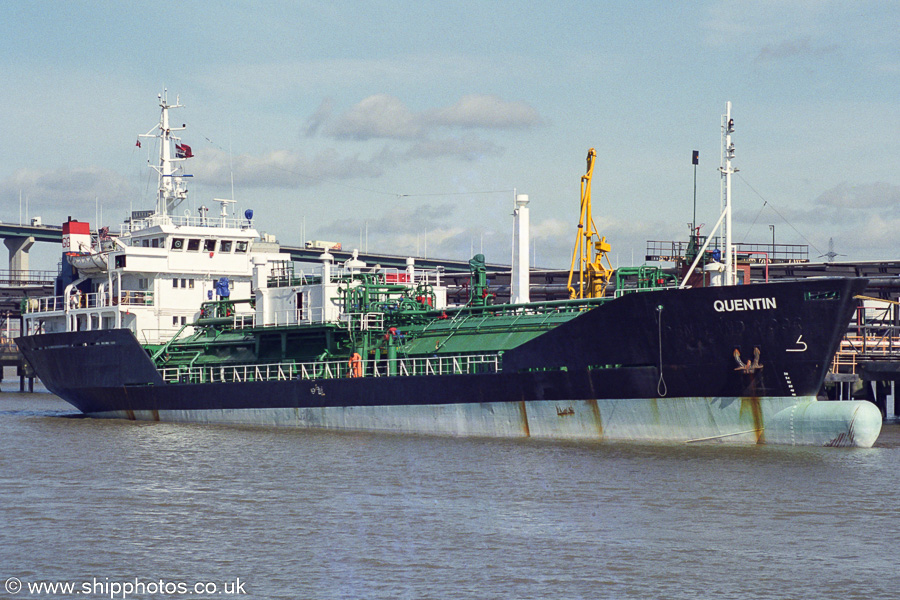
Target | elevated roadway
(388,261)
(19,238)
(40,233)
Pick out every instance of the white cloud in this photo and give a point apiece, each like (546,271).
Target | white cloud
(881,196)
(398,219)
(490,112)
(552,229)
(796,48)
(863,220)
(410,230)
(380,116)
(318,118)
(385,116)
(280,168)
(62,192)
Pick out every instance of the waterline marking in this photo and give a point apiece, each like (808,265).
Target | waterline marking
(123,589)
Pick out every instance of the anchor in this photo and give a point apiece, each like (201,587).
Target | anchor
(747,367)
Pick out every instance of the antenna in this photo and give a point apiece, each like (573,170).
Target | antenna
(831,254)
(171,190)
(695,159)
(224,212)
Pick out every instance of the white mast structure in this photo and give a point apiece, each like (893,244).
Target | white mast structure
(726,169)
(172,191)
(520,286)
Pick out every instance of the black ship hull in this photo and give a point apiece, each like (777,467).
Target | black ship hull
(708,363)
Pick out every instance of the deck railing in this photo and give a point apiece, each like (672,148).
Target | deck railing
(183,221)
(334,369)
(75,301)
(281,318)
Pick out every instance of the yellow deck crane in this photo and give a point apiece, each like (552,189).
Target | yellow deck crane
(590,252)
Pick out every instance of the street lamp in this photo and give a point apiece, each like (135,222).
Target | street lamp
(772,227)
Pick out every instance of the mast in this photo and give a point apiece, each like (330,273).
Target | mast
(171,191)
(727,170)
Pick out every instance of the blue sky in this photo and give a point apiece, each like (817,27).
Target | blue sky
(414,121)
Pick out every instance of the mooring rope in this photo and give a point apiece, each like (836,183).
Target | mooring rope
(661,384)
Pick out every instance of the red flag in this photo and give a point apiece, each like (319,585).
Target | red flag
(183,151)
(138,143)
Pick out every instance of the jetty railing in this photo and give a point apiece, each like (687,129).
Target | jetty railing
(463,364)
(8,349)
(866,343)
(673,251)
(23,278)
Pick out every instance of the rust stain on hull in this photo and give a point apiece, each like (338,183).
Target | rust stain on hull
(525,428)
(843,440)
(753,406)
(595,408)
(564,412)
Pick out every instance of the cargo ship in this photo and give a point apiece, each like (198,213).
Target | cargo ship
(193,319)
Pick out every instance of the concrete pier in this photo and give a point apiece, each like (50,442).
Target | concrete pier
(18,252)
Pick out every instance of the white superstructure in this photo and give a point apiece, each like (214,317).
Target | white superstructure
(153,276)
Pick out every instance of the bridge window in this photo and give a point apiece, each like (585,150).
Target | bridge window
(225,246)
(209,245)
(177,243)
(193,245)
(240,247)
